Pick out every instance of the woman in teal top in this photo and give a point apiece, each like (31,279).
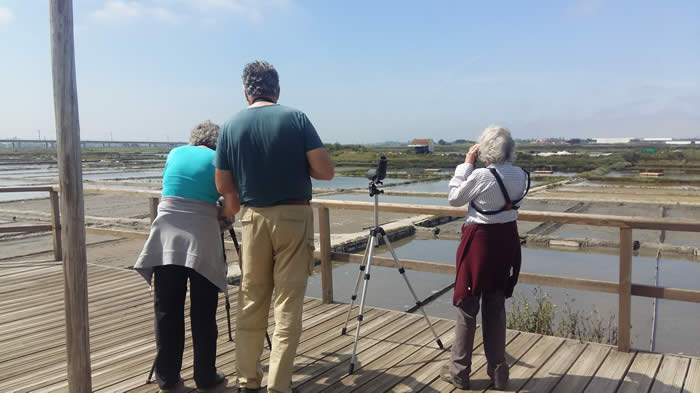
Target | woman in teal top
(185,244)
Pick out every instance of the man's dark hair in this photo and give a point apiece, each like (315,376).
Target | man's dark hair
(260,79)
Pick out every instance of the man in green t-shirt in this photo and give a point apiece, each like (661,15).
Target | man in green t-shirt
(264,159)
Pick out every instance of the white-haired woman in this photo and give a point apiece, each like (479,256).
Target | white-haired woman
(185,244)
(488,257)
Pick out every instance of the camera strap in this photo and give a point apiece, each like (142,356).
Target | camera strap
(509,205)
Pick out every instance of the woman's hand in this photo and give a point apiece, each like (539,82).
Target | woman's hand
(225,221)
(472,154)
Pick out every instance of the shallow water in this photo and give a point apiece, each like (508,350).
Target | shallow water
(677,174)
(434,186)
(388,199)
(348,182)
(387,289)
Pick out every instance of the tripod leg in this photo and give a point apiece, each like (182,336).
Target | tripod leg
(357,286)
(150,373)
(402,271)
(228,317)
(362,302)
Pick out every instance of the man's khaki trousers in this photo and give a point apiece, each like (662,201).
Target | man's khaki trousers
(277,254)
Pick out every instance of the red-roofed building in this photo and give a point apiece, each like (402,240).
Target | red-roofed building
(422,146)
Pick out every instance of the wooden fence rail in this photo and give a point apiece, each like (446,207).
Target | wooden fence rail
(55,226)
(623,287)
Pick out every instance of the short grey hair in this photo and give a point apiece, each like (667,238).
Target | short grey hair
(496,145)
(205,134)
(260,79)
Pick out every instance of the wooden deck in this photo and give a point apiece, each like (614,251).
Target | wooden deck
(396,353)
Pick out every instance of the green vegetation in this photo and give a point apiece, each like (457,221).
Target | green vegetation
(544,317)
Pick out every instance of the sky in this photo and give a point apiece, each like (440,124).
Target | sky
(364,71)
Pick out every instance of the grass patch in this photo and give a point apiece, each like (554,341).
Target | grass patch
(541,316)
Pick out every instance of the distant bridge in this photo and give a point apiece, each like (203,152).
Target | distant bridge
(51,143)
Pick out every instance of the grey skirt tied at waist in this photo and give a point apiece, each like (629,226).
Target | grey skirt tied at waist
(185,233)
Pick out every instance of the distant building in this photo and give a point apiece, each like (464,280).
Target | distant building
(679,142)
(422,146)
(656,139)
(612,140)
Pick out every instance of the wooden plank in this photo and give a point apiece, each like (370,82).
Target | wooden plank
(56,226)
(376,368)
(120,366)
(405,371)
(478,363)
(27,189)
(669,378)
(409,264)
(324,229)
(611,372)
(568,282)
(480,381)
(153,208)
(317,325)
(625,287)
(368,349)
(311,364)
(26,228)
(684,295)
(526,278)
(121,381)
(117,233)
(555,368)
(525,215)
(122,191)
(115,379)
(530,363)
(641,373)
(692,379)
(580,374)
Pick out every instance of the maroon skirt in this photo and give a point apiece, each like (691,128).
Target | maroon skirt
(488,258)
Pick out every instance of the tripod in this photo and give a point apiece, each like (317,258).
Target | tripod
(376,234)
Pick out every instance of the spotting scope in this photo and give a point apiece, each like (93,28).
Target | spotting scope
(377,175)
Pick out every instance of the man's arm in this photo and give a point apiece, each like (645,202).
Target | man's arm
(227,188)
(320,165)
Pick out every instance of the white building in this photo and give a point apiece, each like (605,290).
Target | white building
(612,140)
(656,139)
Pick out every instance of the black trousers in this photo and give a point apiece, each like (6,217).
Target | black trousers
(170,283)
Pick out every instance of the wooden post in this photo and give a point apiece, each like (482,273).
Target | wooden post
(153,207)
(72,205)
(625,288)
(324,228)
(56,226)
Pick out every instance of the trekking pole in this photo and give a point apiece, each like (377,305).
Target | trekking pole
(228,304)
(240,266)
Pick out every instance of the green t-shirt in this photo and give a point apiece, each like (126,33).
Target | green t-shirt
(189,173)
(265,149)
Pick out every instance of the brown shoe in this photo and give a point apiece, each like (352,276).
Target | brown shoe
(447,376)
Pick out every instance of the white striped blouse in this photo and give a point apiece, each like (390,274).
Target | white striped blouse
(480,186)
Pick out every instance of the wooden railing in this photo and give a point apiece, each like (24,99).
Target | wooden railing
(55,226)
(623,287)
